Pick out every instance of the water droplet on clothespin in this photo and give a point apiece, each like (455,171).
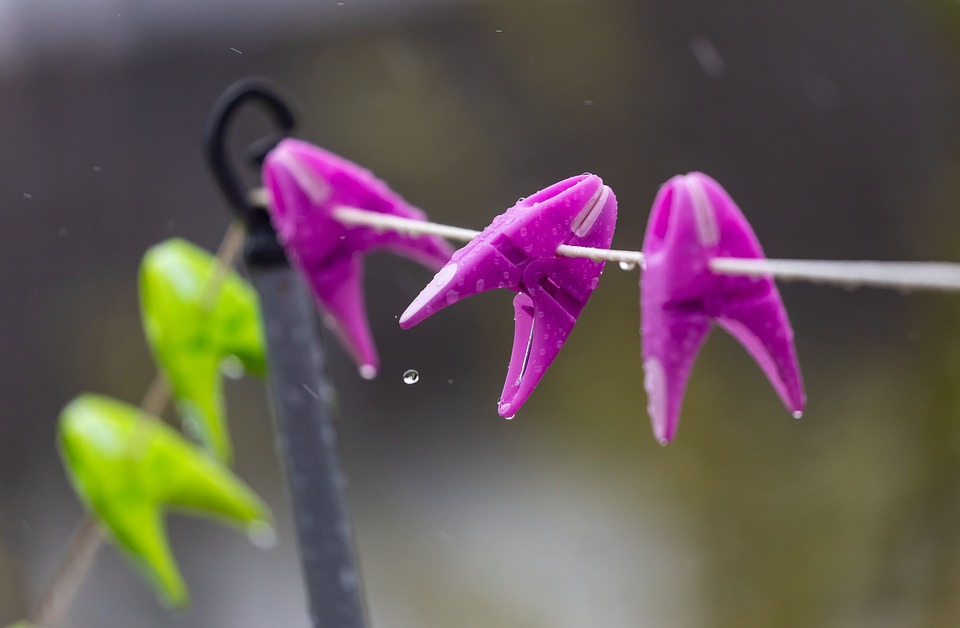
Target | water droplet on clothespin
(411,376)
(627,265)
(232,367)
(262,535)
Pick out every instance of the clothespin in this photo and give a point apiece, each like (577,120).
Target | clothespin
(305,185)
(191,331)
(130,469)
(693,220)
(518,251)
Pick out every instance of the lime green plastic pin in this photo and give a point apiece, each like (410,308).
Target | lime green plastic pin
(192,331)
(129,469)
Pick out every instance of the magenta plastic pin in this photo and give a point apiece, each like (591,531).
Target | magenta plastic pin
(693,221)
(518,251)
(306,184)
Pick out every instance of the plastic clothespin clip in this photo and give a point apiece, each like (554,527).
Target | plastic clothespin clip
(130,468)
(694,220)
(518,251)
(305,184)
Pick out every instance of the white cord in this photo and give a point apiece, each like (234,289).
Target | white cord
(849,274)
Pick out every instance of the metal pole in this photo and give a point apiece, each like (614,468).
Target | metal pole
(302,403)
(301,394)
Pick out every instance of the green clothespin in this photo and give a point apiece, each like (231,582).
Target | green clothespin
(129,468)
(192,330)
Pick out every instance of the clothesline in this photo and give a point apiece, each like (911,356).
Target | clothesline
(904,276)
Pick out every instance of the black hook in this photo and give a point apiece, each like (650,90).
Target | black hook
(257,91)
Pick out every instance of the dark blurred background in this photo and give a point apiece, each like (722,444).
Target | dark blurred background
(833,124)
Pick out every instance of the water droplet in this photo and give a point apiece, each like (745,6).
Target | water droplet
(367,371)
(349,581)
(262,535)
(509,418)
(232,367)
(797,415)
(411,376)
(627,265)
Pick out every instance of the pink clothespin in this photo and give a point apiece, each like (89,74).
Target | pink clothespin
(518,251)
(693,221)
(306,184)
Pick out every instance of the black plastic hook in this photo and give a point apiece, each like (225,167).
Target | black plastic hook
(260,92)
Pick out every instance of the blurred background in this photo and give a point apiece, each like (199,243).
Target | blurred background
(833,124)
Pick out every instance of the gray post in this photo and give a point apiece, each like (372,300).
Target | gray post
(302,403)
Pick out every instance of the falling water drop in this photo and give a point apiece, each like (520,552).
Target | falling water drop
(411,376)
